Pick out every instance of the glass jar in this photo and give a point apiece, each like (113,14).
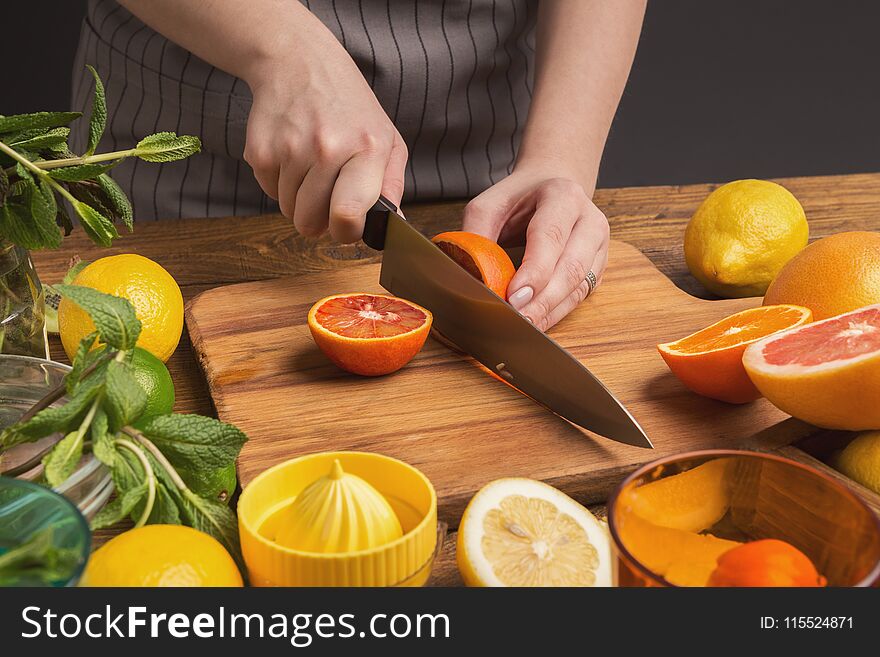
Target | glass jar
(22,309)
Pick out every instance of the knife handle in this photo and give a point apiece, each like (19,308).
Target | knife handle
(377,223)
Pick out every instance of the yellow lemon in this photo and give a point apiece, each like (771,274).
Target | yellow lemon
(860,460)
(742,235)
(521,532)
(152,291)
(161,555)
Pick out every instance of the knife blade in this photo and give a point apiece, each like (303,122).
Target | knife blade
(485,326)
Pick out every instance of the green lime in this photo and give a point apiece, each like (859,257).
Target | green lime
(153,376)
(214,484)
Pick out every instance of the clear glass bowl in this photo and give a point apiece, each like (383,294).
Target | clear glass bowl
(27,508)
(672,519)
(23,381)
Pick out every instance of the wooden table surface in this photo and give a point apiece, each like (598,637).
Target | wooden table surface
(206,253)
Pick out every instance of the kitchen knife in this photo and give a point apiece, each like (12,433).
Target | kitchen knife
(489,329)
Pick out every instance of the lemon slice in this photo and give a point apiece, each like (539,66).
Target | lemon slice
(521,532)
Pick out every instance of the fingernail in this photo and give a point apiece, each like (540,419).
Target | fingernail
(521,297)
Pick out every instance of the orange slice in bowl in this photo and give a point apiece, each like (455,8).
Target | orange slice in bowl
(827,373)
(369,334)
(709,362)
(480,257)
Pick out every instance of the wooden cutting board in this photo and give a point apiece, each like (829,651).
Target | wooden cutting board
(444,415)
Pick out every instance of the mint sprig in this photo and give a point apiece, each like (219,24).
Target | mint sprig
(37,169)
(104,402)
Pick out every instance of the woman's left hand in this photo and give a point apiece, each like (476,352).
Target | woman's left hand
(566,237)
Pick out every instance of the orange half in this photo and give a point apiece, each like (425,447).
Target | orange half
(369,334)
(482,258)
(709,362)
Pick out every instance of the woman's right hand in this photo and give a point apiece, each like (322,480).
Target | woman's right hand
(319,142)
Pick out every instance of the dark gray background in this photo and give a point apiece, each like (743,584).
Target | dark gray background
(720,90)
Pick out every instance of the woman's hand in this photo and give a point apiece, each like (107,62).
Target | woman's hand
(317,138)
(322,146)
(566,237)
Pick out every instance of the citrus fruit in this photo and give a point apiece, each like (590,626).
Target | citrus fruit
(216,484)
(768,562)
(152,291)
(826,373)
(741,236)
(833,275)
(680,557)
(521,532)
(156,381)
(161,555)
(860,460)
(691,501)
(369,334)
(709,362)
(480,257)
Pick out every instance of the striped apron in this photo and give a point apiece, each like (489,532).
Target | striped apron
(455,77)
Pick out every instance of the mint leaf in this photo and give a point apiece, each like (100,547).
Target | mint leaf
(165,510)
(194,442)
(98,227)
(36,120)
(4,185)
(118,199)
(36,140)
(125,397)
(80,361)
(103,445)
(81,172)
(126,471)
(120,507)
(167,147)
(18,228)
(99,113)
(60,463)
(114,317)
(215,519)
(42,206)
(56,419)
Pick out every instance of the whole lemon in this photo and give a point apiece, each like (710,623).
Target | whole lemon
(860,460)
(832,276)
(152,291)
(742,235)
(161,555)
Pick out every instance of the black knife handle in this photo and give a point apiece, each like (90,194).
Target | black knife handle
(376,223)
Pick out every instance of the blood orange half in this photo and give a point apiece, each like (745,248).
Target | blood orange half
(827,373)
(480,257)
(369,334)
(709,362)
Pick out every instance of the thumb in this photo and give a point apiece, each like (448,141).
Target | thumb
(485,216)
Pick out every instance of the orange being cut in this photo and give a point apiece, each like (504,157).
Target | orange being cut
(768,562)
(480,257)
(369,334)
(709,362)
(826,373)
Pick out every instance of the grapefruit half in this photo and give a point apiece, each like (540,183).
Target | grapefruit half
(826,373)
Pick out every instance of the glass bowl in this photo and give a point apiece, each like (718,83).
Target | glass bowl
(23,381)
(671,519)
(27,509)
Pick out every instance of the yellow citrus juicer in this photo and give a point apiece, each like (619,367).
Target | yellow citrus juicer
(339,519)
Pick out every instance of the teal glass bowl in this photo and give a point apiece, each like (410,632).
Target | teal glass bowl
(27,512)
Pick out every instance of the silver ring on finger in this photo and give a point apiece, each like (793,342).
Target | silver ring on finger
(591,281)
